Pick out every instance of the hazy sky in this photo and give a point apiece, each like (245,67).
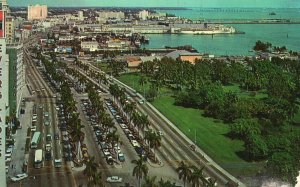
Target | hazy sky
(164,3)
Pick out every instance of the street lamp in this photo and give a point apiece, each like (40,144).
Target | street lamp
(195,137)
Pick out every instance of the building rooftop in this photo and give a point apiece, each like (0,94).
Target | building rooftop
(178,53)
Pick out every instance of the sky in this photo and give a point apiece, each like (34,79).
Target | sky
(163,3)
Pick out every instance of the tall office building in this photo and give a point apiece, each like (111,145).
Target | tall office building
(37,12)
(4,102)
(16,76)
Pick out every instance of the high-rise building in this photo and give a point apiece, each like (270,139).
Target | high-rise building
(16,76)
(37,12)
(4,102)
(143,14)
(80,15)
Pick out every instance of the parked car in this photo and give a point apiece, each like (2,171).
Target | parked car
(48,138)
(19,177)
(33,128)
(121,157)
(114,179)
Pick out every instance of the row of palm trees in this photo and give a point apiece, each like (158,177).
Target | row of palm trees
(194,175)
(74,125)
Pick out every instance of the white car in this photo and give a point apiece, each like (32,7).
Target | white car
(33,128)
(19,177)
(208,179)
(114,179)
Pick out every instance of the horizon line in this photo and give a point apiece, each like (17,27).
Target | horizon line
(154,7)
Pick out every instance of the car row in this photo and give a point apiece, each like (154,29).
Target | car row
(124,125)
(110,152)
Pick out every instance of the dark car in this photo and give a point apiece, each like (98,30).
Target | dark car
(56,136)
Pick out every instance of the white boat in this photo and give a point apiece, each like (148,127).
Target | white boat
(220,29)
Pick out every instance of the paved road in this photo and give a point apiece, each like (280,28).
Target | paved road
(47,175)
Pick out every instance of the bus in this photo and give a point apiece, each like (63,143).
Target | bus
(35,140)
(38,158)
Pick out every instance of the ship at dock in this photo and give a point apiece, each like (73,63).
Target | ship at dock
(202,29)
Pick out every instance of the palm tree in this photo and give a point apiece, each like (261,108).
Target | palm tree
(91,168)
(197,176)
(96,180)
(129,108)
(140,170)
(78,137)
(155,142)
(113,138)
(184,172)
(142,82)
(150,182)
(167,183)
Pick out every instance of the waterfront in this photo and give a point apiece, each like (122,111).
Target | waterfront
(233,44)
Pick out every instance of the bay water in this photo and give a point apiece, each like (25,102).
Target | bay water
(234,44)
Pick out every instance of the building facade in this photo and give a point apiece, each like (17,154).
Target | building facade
(16,77)
(4,107)
(80,15)
(90,46)
(143,15)
(10,29)
(37,12)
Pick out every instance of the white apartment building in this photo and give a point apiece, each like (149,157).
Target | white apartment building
(143,15)
(110,14)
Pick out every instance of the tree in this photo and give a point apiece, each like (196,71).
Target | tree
(243,127)
(150,182)
(261,46)
(96,180)
(167,183)
(284,166)
(196,177)
(184,172)
(256,147)
(91,168)
(140,170)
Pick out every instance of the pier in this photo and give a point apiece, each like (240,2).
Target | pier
(252,21)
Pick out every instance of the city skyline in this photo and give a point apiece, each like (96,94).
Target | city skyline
(165,3)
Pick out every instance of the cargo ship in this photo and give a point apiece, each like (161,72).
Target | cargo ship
(203,29)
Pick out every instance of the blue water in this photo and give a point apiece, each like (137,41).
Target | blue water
(235,44)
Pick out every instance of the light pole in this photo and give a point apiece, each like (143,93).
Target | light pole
(195,135)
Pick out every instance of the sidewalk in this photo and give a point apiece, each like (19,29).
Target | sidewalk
(18,155)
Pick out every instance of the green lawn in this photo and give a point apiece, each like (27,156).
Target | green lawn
(103,66)
(235,88)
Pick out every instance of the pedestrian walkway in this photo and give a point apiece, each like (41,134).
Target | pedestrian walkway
(18,155)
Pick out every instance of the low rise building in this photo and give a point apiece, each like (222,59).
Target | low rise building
(185,56)
(89,46)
